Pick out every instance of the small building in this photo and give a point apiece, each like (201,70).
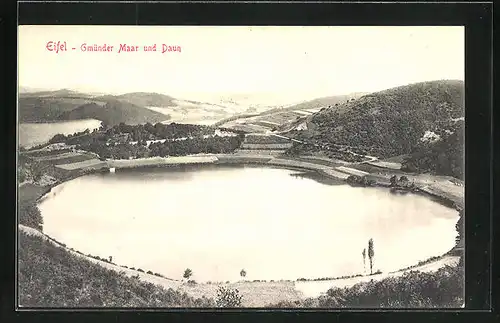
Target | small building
(112,170)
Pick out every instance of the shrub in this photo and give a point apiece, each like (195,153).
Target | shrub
(29,215)
(227,297)
(443,288)
(187,273)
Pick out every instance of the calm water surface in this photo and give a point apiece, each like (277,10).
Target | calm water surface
(32,134)
(220,220)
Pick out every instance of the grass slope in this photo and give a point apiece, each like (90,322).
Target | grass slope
(317,103)
(50,276)
(114,112)
(390,122)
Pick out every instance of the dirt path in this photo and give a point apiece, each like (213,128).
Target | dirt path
(370,158)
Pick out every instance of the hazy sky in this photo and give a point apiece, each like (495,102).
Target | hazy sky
(297,62)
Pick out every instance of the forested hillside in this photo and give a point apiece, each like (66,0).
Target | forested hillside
(444,157)
(390,122)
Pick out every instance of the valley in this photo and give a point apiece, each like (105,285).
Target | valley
(373,140)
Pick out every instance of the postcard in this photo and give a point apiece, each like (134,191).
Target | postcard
(240,167)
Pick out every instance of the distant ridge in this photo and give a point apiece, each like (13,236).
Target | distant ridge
(320,102)
(114,112)
(142,99)
(63,93)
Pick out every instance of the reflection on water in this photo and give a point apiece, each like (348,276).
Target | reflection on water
(32,134)
(219,220)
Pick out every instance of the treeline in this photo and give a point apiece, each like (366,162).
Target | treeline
(140,133)
(131,141)
(444,157)
(160,131)
(210,145)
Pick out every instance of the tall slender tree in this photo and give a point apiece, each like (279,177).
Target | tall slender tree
(371,254)
(364,259)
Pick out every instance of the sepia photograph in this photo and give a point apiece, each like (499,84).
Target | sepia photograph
(240,167)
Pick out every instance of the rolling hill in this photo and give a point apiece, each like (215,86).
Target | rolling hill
(281,118)
(318,103)
(114,112)
(47,109)
(175,109)
(390,122)
(63,93)
(142,99)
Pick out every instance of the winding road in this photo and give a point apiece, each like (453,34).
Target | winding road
(370,158)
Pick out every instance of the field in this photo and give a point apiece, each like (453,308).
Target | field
(88,163)
(317,160)
(268,120)
(161,161)
(351,171)
(266,146)
(239,159)
(264,139)
(260,152)
(65,158)
(30,192)
(297,164)
(46,152)
(384,164)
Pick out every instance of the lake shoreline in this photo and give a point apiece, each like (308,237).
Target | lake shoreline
(295,289)
(236,160)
